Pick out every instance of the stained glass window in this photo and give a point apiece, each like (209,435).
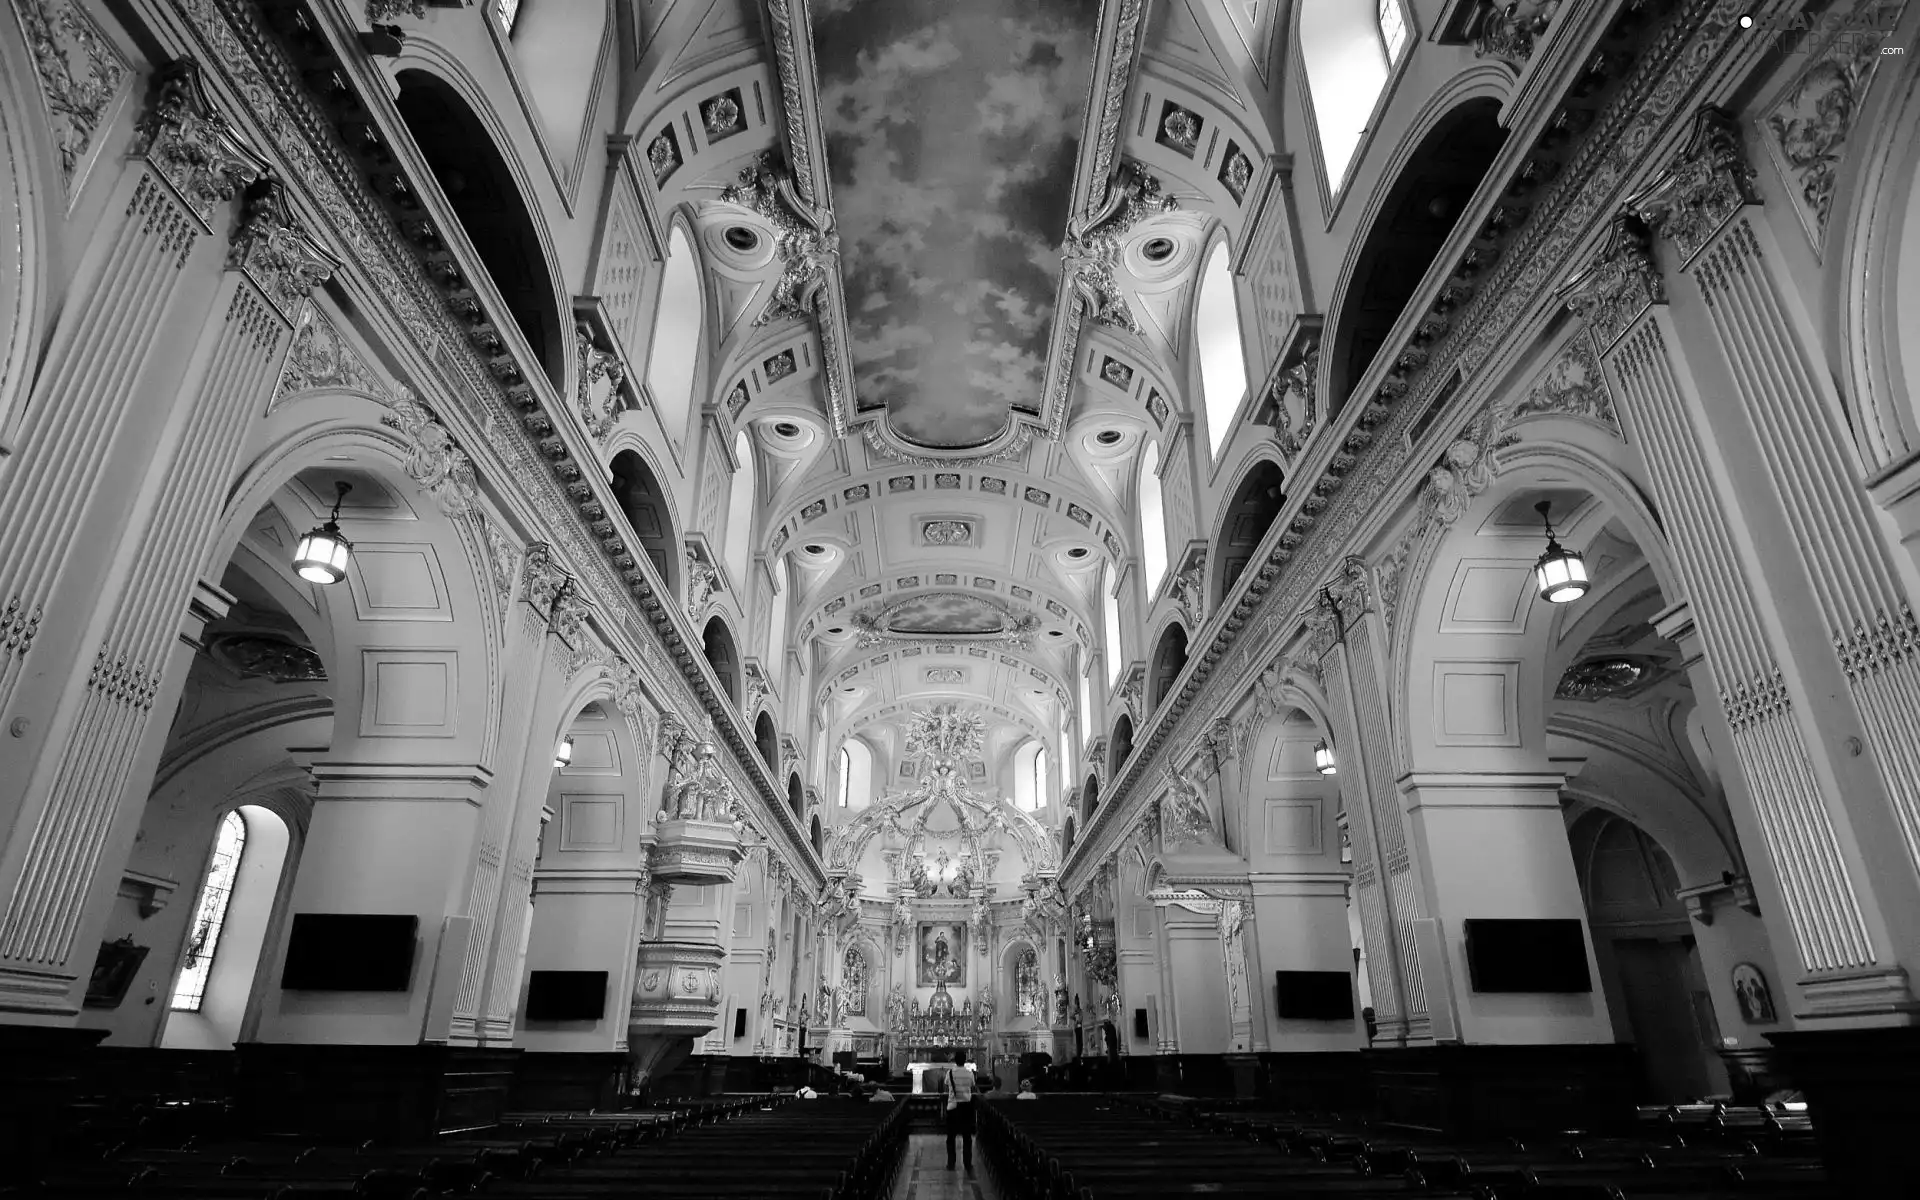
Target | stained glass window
(1026,984)
(853,979)
(508,11)
(1393,28)
(210,914)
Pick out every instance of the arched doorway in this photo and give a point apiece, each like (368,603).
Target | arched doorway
(486,199)
(1169,659)
(716,642)
(644,505)
(1255,504)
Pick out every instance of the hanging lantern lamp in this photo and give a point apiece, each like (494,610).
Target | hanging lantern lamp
(564,754)
(1561,573)
(321,556)
(1323,758)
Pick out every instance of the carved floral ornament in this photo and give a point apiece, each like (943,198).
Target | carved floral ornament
(191,145)
(274,250)
(1093,244)
(805,239)
(602,375)
(80,72)
(1707,182)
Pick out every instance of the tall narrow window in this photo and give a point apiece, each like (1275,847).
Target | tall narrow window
(1029,776)
(1086,708)
(673,354)
(508,11)
(846,776)
(1223,365)
(1113,635)
(740,512)
(1153,521)
(210,914)
(1026,984)
(1393,29)
(1040,777)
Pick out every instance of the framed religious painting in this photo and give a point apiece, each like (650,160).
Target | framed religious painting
(941,955)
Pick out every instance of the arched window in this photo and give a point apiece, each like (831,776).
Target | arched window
(1112,618)
(817,836)
(780,615)
(673,354)
(1030,776)
(740,512)
(856,774)
(1349,49)
(1255,504)
(1026,983)
(1216,339)
(1120,748)
(556,48)
(766,739)
(210,914)
(1153,521)
(1090,794)
(716,642)
(796,795)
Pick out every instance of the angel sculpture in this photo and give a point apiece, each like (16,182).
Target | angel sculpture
(1183,811)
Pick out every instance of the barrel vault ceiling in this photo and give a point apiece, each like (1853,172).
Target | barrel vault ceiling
(949,474)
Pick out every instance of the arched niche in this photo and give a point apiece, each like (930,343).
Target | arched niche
(1413,221)
(716,643)
(1090,793)
(766,740)
(1169,659)
(1121,748)
(816,835)
(486,199)
(797,796)
(647,508)
(1249,514)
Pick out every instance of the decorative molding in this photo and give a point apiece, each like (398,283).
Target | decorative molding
(321,357)
(1094,241)
(1807,128)
(1573,385)
(80,71)
(275,251)
(805,241)
(1621,282)
(191,145)
(1704,185)
(434,460)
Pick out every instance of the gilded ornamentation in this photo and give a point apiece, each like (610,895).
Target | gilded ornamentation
(1113,104)
(704,793)
(1701,189)
(806,242)
(80,72)
(1620,283)
(702,582)
(1295,409)
(321,358)
(381,12)
(275,251)
(1573,385)
(1808,127)
(1190,588)
(1093,244)
(601,371)
(1183,811)
(191,145)
(1509,30)
(947,533)
(434,462)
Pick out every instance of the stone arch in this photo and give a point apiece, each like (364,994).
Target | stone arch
(1169,659)
(1254,505)
(493,209)
(1411,222)
(716,643)
(648,508)
(1874,292)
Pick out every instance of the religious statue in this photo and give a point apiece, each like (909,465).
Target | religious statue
(704,794)
(981,920)
(824,1001)
(1060,1004)
(986,1007)
(897,1008)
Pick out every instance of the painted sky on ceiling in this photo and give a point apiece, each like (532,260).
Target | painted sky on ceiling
(952,128)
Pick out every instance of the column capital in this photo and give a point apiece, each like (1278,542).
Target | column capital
(1702,187)
(1618,284)
(191,145)
(272,248)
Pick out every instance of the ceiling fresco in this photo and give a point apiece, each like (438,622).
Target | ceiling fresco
(945,612)
(951,132)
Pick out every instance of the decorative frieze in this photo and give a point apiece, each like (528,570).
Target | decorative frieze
(1572,385)
(321,357)
(1183,812)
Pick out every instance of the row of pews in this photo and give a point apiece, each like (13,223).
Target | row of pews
(773,1146)
(1119,1147)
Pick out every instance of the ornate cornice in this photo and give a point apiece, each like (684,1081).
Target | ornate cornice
(1510,282)
(392,278)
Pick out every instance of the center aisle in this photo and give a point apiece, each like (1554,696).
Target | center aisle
(924,1174)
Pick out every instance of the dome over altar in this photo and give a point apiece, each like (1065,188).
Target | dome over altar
(944,837)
